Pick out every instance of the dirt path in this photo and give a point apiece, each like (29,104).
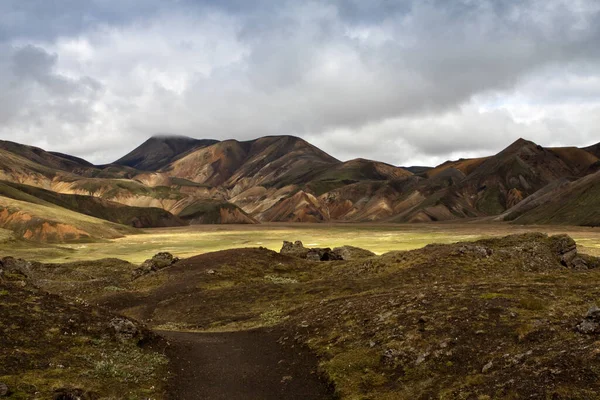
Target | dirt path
(247,365)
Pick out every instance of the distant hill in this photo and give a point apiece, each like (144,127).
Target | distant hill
(562,203)
(178,180)
(159,151)
(594,149)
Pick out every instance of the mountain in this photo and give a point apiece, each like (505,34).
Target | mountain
(159,151)
(139,217)
(563,202)
(170,181)
(594,149)
(494,184)
(268,161)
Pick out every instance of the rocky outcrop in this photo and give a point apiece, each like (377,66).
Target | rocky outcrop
(591,323)
(565,249)
(15,269)
(159,261)
(123,329)
(297,249)
(352,253)
(322,254)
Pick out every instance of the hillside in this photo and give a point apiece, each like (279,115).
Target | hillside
(268,161)
(159,151)
(285,179)
(594,149)
(139,217)
(479,320)
(59,348)
(564,203)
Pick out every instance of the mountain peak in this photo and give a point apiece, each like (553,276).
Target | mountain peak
(520,145)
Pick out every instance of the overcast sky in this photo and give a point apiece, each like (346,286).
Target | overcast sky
(407,82)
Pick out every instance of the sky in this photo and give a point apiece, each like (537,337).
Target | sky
(408,82)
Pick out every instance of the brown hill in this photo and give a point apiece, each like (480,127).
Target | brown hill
(516,173)
(594,149)
(563,202)
(47,159)
(355,171)
(139,217)
(268,161)
(284,178)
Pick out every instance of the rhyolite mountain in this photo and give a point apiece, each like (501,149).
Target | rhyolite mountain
(174,180)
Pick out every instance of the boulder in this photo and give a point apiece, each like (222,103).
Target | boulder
(159,261)
(591,323)
(476,250)
(74,394)
(352,253)
(15,266)
(123,328)
(295,249)
(4,389)
(565,248)
(319,254)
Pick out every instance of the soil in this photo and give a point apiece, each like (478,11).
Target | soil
(246,365)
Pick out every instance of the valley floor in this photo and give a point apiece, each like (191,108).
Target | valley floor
(192,240)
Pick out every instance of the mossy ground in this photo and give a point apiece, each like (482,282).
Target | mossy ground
(49,344)
(493,320)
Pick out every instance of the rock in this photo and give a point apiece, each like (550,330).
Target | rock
(159,261)
(565,248)
(352,253)
(319,254)
(15,266)
(591,323)
(477,250)
(295,249)
(487,367)
(69,394)
(3,389)
(123,328)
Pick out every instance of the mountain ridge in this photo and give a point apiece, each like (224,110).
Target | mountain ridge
(287,179)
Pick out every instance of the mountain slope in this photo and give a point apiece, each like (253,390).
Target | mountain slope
(139,217)
(159,151)
(268,161)
(572,203)
(47,159)
(594,149)
(285,178)
(515,173)
(49,223)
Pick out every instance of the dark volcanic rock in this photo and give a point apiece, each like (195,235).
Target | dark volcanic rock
(123,328)
(156,263)
(3,389)
(477,250)
(566,250)
(591,322)
(352,253)
(325,254)
(73,394)
(295,249)
(15,266)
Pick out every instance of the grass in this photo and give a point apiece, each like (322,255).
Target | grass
(189,241)
(399,326)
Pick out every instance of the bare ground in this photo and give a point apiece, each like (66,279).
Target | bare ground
(244,365)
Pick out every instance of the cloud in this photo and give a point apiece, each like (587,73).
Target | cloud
(404,81)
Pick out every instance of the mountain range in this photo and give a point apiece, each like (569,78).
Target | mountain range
(174,181)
